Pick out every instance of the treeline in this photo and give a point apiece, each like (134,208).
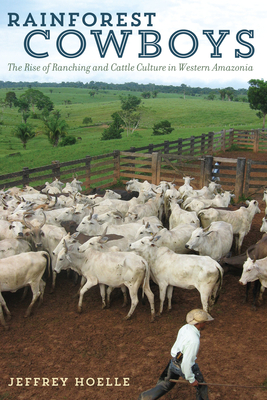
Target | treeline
(129,86)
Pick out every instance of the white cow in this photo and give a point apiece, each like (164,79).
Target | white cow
(263,227)
(114,269)
(215,241)
(19,271)
(175,239)
(220,200)
(10,230)
(179,216)
(240,219)
(186,271)
(11,247)
(253,270)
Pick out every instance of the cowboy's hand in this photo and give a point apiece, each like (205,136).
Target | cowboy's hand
(195,383)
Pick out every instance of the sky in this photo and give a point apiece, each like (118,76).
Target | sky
(168,43)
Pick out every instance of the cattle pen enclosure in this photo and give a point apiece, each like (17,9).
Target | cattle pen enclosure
(169,161)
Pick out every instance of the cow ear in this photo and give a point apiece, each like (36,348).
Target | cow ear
(10,226)
(42,233)
(208,233)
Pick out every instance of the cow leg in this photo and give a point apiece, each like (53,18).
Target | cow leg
(42,289)
(102,288)
(25,290)
(54,277)
(162,295)
(91,281)
(3,305)
(260,299)
(35,287)
(204,297)
(133,290)
(150,296)
(239,241)
(2,319)
(169,297)
(83,280)
(125,298)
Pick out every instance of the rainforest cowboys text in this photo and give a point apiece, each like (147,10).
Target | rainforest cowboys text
(150,39)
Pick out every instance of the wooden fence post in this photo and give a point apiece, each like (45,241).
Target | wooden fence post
(150,148)
(210,142)
(166,147)
(202,145)
(180,147)
(223,141)
(88,160)
(192,145)
(207,170)
(116,165)
(231,138)
(25,176)
(56,169)
(256,135)
(240,174)
(155,168)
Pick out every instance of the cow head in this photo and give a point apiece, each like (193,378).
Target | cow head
(250,271)
(35,233)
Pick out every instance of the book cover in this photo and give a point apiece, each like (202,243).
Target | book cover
(98,355)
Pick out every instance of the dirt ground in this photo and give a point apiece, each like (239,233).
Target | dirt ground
(97,355)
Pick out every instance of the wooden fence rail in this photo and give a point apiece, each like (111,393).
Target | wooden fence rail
(170,160)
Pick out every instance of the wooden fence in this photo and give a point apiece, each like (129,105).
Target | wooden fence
(170,161)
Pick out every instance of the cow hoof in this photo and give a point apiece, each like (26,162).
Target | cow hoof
(159,314)
(6,327)
(79,310)
(127,317)
(8,317)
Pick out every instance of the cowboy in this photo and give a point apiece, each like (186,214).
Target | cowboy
(183,356)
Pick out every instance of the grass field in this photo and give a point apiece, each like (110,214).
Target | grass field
(191,116)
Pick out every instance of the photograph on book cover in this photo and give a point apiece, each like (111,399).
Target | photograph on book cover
(81,84)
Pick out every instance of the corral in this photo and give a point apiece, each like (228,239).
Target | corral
(56,342)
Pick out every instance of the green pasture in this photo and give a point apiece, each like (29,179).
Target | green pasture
(189,116)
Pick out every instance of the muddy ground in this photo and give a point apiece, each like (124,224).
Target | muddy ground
(99,356)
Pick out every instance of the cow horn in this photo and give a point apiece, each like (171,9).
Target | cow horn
(27,223)
(44,216)
(104,233)
(65,245)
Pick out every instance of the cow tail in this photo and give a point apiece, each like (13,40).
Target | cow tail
(48,263)
(217,287)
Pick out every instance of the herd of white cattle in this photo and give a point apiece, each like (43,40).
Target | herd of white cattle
(176,237)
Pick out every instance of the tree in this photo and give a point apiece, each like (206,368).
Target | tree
(24,132)
(257,97)
(11,99)
(211,96)
(115,129)
(146,95)
(55,128)
(87,120)
(24,108)
(130,112)
(36,97)
(222,94)
(162,128)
